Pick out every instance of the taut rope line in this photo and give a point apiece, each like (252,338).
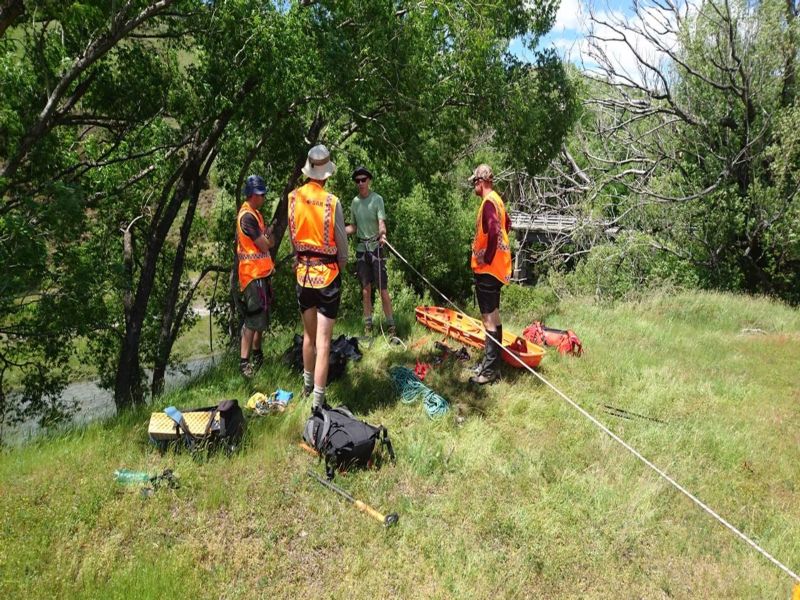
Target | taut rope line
(619,440)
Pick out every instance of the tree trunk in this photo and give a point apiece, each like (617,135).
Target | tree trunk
(127,387)
(787,88)
(126,390)
(170,325)
(10,10)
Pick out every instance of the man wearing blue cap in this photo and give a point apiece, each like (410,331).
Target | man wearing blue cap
(253,242)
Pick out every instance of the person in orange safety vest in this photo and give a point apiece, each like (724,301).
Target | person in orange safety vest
(491,265)
(253,242)
(319,239)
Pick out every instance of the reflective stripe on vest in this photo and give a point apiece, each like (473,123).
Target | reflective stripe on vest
(253,264)
(312,212)
(500,267)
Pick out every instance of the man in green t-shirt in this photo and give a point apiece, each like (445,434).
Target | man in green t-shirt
(368,217)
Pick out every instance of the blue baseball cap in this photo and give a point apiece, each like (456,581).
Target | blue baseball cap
(255,185)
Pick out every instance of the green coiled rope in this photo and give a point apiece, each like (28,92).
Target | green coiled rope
(409,387)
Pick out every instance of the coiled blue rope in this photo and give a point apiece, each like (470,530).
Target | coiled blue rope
(409,387)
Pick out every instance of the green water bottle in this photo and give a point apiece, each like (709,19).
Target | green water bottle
(127,476)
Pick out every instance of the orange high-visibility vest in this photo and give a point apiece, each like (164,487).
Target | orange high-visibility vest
(312,212)
(253,264)
(500,266)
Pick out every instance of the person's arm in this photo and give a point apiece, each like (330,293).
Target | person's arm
(351,228)
(250,228)
(381,219)
(341,237)
(266,241)
(491,227)
(382,230)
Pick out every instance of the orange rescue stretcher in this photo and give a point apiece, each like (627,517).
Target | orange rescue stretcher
(469,332)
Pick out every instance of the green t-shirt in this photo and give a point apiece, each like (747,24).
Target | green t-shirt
(365,213)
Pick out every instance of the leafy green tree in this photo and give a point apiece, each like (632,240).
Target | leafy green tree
(70,113)
(114,117)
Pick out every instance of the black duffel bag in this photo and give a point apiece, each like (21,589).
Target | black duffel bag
(344,441)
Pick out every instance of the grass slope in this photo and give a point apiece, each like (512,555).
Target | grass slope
(512,495)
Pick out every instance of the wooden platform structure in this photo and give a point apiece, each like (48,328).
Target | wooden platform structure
(546,226)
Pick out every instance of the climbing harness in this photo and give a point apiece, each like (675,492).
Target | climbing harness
(624,444)
(410,388)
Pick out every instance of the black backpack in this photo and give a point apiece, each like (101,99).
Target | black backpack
(343,349)
(342,440)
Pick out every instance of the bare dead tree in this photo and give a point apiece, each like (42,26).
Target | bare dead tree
(683,105)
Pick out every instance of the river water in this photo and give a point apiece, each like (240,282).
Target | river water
(95,402)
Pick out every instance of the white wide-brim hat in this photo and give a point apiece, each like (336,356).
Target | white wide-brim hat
(318,164)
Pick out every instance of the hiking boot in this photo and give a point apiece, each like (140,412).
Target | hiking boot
(258,359)
(307,391)
(392,331)
(368,329)
(485,376)
(476,368)
(246,369)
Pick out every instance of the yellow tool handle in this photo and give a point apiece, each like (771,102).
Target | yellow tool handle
(308,448)
(796,592)
(370,511)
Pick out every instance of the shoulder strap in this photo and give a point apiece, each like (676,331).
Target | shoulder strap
(387,443)
(211,422)
(343,410)
(326,427)
(180,425)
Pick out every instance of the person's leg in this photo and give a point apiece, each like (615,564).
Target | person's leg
(382,281)
(488,294)
(491,320)
(324,334)
(364,271)
(327,310)
(255,322)
(366,299)
(258,353)
(309,339)
(244,351)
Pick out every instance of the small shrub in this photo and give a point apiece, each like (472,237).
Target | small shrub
(528,302)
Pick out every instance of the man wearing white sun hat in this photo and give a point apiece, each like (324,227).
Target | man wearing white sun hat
(317,231)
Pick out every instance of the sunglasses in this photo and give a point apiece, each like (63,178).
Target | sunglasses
(476,180)
(361,179)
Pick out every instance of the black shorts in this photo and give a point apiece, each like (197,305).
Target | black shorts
(256,301)
(371,269)
(325,300)
(487,291)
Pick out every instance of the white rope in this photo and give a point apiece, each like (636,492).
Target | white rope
(620,441)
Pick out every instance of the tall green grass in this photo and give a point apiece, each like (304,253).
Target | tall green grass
(512,495)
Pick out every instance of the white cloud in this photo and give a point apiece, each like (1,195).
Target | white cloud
(589,34)
(624,42)
(570,16)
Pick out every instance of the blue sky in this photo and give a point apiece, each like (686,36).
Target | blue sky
(650,29)
(568,33)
